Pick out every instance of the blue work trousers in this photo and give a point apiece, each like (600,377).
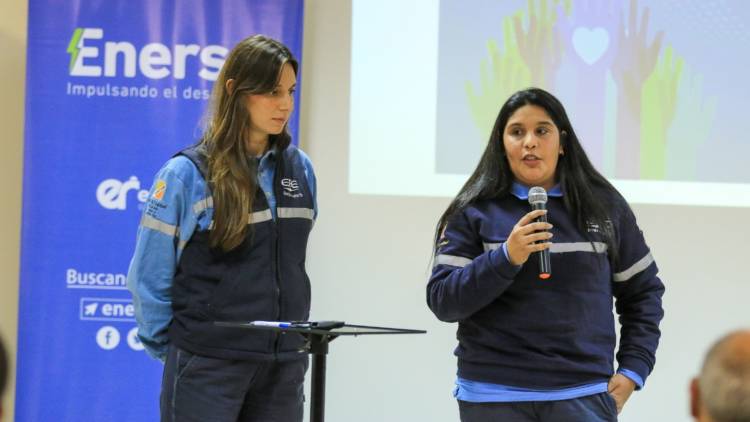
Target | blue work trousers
(595,408)
(203,389)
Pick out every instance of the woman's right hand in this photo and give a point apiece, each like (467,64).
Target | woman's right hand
(522,240)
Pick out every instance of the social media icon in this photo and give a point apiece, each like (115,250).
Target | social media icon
(90,309)
(108,337)
(133,341)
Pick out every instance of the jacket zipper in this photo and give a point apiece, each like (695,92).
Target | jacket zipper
(277,346)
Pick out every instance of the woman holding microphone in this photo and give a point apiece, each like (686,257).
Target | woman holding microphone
(532,349)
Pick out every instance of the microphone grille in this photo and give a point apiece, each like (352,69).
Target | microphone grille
(537,195)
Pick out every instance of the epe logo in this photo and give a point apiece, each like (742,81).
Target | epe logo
(112,194)
(290,188)
(153,60)
(289,185)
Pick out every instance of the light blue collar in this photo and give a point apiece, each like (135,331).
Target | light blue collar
(271,152)
(522,191)
(267,160)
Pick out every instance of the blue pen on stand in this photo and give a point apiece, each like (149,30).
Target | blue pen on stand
(278,324)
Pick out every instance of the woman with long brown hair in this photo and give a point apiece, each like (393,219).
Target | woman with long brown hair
(223,238)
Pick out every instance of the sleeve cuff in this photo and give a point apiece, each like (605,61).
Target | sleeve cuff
(507,257)
(501,264)
(155,350)
(633,377)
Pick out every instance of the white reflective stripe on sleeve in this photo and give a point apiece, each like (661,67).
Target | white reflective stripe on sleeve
(296,213)
(151,223)
(455,261)
(598,247)
(634,269)
(259,216)
(203,204)
(254,218)
(181,244)
(491,246)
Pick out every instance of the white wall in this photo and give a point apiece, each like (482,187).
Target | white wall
(369,256)
(12,77)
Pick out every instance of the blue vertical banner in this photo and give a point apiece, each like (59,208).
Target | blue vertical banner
(113,89)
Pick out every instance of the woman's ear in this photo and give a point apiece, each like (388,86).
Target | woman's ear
(229,85)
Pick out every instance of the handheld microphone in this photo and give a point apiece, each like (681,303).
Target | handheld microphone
(538,201)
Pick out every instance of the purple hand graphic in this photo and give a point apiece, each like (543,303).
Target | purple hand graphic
(588,34)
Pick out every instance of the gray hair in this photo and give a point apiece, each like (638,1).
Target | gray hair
(724,381)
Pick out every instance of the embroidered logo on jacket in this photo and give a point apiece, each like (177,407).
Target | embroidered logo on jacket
(290,188)
(592,227)
(159,189)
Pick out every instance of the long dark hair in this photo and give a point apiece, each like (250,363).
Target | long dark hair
(586,193)
(255,65)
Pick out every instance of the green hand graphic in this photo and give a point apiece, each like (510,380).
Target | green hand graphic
(658,105)
(501,74)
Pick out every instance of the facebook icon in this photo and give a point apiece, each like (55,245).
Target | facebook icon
(108,337)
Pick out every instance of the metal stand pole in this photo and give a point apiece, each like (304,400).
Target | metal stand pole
(317,335)
(319,350)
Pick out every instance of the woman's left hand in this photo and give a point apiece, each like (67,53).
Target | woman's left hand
(620,388)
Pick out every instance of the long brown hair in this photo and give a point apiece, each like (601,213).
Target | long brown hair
(254,65)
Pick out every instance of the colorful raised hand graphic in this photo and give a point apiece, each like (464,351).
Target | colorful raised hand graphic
(692,127)
(588,34)
(538,44)
(657,114)
(502,74)
(635,58)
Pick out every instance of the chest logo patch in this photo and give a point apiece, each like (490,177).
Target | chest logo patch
(290,188)
(592,227)
(159,189)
